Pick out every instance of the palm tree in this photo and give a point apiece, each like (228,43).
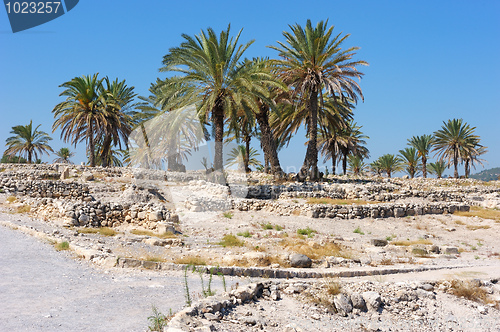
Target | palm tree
(356,164)
(376,167)
(238,156)
(411,159)
(437,168)
(80,116)
(313,64)
(332,123)
(423,144)
(455,140)
(351,141)
(118,98)
(267,108)
(28,142)
(390,164)
(214,78)
(63,156)
(472,156)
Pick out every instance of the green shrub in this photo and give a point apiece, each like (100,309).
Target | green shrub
(306,231)
(229,240)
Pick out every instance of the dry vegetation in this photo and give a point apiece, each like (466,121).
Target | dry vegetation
(469,290)
(314,250)
(167,235)
(410,243)
(476,211)
(104,231)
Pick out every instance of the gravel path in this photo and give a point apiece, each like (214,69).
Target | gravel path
(45,290)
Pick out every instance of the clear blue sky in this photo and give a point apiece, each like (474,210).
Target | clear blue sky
(430,61)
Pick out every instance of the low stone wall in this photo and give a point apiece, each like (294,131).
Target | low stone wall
(46,188)
(97,214)
(350,211)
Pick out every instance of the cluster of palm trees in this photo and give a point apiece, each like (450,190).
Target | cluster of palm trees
(454,143)
(28,144)
(313,82)
(213,93)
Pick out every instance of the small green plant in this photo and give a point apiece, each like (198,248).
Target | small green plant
(229,240)
(278,228)
(244,234)
(358,231)
(390,237)
(267,226)
(187,296)
(228,214)
(62,246)
(306,231)
(223,280)
(157,320)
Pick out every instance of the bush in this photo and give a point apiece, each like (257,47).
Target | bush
(229,240)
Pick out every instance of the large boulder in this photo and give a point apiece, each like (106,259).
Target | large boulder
(299,260)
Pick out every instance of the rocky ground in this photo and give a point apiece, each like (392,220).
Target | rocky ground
(358,233)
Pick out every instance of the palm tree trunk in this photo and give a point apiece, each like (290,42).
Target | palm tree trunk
(29,157)
(424,166)
(344,162)
(91,146)
(467,168)
(455,162)
(218,119)
(246,158)
(105,151)
(267,142)
(334,162)
(311,158)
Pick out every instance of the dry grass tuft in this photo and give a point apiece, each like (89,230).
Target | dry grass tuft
(167,235)
(476,211)
(313,250)
(23,209)
(104,231)
(154,258)
(468,290)
(190,260)
(476,227)
(11,199)
(410,243)
(459,222)
(332,201)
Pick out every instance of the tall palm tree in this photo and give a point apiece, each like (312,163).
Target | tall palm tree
(63,156)
(423,144)
(267,108)
(411,160)
(390,164)
(215,79)
(28,142)
(437,168)
(118,99)
(314,64)
(454,141)
(80,116)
